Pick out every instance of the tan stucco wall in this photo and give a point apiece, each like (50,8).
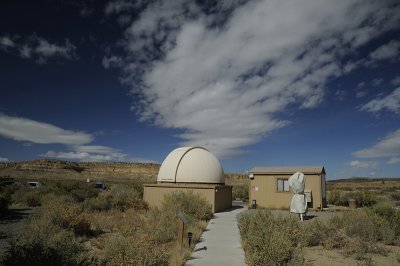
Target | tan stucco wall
(267,195)
(219,196)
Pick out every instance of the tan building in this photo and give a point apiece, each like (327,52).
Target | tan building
(269,187)
(191,169)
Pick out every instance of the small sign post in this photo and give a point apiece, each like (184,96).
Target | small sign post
(181,227)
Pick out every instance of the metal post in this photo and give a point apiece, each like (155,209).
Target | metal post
(190,236)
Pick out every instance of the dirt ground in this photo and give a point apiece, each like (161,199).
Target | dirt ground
(321,256)
(11,224)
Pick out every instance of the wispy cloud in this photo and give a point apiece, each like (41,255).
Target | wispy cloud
(225,75)
(386,51)
(388,147)
(364,164)
(24,129)
(89,153)
(112,61)
(81,156)
(391,102)
(116,7)
(37,48)
(394,160)
(4,160)
(395,81)
(6,42)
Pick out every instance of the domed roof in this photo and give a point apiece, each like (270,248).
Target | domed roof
(191,165)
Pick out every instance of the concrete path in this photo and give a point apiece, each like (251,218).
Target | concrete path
(222,239)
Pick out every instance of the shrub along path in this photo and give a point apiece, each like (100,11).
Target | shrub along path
(222,239)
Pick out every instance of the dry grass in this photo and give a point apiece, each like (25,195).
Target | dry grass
(114,227)
(359,234)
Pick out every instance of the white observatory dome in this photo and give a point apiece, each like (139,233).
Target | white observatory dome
(191,165)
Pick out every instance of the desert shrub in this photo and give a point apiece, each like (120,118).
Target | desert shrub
(319,232)
(80,191)
(390,224)
(132,250)
(359,224)
(100,203)
(5,197)
(83,193)
(336,197)
(192,206)
(119,197)
(359,248)
(269,240)
(124,197)
(395,195)
(102,221)
(64,212)
(363,198)
(240,192)
(28,197)
(5,200)
(129,222)
(43,243)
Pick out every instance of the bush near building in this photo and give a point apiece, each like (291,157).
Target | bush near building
(270,240)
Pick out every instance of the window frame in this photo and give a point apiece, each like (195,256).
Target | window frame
(284,181)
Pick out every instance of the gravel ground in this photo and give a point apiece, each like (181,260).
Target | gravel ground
(310,215)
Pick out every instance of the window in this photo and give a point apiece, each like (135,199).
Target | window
(283,185)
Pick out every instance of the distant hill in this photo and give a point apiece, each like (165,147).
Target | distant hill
(65,169)
(364,179)
(56,169)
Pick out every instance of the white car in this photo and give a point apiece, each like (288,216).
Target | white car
(33,184)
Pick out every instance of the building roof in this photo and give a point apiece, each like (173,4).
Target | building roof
(288,170)
(191,165)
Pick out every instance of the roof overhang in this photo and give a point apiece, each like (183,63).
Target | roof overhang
(288,170)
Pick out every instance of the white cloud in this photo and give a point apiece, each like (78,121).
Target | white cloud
(45,50)
(394,160)
(389,146)
(361,94)
(6,42)
(396,81)
(81,156)
(23,129)
(386,51)
(4,160)
(377,82)
(39,49)
(361,85)
(112,61)
(390,102)
(364,164)
(116,7)
(103,150)
(88,153)
(225,80)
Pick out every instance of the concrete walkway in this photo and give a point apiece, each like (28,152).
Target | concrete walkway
(222,239)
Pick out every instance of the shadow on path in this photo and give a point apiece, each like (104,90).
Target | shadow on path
(14,215)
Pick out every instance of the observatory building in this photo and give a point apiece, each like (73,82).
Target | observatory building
(191,169)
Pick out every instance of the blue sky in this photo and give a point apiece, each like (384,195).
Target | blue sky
(258,83)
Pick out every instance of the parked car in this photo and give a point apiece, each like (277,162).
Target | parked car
(100,185)
(34,184)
